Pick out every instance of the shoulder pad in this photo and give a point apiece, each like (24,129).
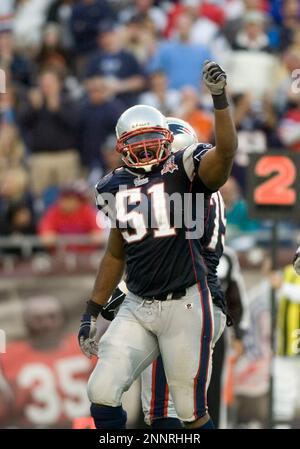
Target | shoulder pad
(111,181)
(103,184)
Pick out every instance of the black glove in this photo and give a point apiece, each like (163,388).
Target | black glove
(111,308)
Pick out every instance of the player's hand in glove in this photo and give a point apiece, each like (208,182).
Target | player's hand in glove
(214,77)
(296,261)
(88,329)
(86,335)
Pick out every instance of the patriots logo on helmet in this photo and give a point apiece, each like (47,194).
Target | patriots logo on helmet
(178,128)
(169,166)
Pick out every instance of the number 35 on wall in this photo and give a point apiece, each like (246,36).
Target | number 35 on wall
(274,186)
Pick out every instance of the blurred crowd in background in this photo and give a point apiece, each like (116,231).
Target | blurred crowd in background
(71,67)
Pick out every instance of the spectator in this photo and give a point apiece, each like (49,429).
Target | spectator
(180,59)
(139,38)
(159,95)
(251,55)
(117,65)
(238,221)
(207,30)
(51,53)
(30,16)
(290,16)
(85,19)
(11,148)
(50,119)
(98,116)
(15,65)
(60,12)
(295,44)
(148,9)
(8,102)
(18,221)
(234,24)
(283,91)
(190,111)
(14,188)
(16,204)
(71,214)
(252,35)
(289,126)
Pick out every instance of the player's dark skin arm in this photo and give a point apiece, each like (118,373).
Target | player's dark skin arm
(216,164)
(110,270)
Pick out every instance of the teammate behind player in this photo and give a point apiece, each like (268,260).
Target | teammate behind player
(165,274)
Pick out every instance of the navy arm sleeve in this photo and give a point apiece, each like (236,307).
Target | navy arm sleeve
(213,246)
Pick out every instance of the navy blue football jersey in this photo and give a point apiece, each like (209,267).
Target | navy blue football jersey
(212,244)
(162,244)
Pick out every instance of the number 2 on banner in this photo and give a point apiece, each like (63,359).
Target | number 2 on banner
(277,190)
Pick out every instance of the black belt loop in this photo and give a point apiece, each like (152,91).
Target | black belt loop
(175,295)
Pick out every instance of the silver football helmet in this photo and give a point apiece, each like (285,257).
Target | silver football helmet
(143,137)
(184,134)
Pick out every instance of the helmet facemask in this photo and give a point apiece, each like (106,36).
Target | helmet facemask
(145,147)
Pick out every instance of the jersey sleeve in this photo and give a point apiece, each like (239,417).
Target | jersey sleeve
(105,196)
(213,244)
(191,159)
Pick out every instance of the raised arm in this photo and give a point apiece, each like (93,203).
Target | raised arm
(216,164)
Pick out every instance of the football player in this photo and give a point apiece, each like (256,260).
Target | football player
(158,407)
(168,308)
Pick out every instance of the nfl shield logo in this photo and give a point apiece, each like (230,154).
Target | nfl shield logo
(169,166)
